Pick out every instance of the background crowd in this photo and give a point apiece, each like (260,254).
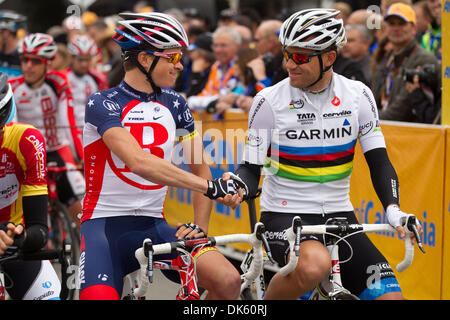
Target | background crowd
(396,53)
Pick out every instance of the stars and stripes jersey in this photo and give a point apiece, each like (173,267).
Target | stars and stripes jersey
(50,109)
(306,143)
(22,169)
(157,122)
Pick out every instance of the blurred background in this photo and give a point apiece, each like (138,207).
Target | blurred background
(44,14)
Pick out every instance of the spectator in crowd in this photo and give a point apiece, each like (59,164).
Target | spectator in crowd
(246,35)
(222,79)
(226,17)
(432,39)
(10,23)
(112,58)
(388,84)
(97,29)
(62,58)
(202,58)
(423,17)
(357,48)
(385,4)
(345,10)
(267,68)
(247,80)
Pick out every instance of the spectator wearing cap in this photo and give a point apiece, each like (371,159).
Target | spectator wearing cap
(202,58)
(388,85)
(10,24)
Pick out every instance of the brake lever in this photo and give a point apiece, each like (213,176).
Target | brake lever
(148,252)
(297,228)
(412,227)
(260,236)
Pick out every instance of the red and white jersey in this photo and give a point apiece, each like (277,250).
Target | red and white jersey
(156,122)
(49,108)
(82,87)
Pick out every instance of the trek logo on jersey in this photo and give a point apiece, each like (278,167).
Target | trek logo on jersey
(336,101)
(296,104)
(332,133)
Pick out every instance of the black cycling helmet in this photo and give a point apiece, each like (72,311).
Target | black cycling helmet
(7,104)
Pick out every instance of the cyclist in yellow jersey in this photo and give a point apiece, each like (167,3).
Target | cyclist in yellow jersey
(23,203)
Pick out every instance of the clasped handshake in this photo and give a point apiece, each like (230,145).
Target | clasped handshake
(227,189)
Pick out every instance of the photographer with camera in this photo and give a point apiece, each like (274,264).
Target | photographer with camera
(389,82)
(426,103)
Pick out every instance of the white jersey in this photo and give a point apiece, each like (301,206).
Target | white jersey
(306,143)
(82,87)
(49,108)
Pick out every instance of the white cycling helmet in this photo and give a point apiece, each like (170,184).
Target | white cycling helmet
(40,44)
(157,29)
(82,45)
(315,29)
(7,104)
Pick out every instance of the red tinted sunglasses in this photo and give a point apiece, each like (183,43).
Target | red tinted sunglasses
(173,58)
(34,60)
(300,58)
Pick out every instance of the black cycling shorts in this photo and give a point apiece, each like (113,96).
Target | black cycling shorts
(357,274)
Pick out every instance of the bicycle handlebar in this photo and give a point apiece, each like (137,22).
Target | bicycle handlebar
(293,236)
(144,255)
(13,253)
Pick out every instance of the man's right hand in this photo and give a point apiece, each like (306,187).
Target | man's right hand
(225,191)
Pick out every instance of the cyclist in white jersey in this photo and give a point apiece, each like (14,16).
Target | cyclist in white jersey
(303,131)
(84,80)
(128,141)
(44,99)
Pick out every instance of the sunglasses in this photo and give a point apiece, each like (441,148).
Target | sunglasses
(173,58)
(34,61)
(300,58)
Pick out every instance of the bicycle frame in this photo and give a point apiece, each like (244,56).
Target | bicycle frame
(331,286)
(145,254)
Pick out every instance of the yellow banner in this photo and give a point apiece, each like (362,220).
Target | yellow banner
(446,63)
(418,156)
(446,249)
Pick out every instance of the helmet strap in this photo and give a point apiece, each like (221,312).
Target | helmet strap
(148,73)
(322,70)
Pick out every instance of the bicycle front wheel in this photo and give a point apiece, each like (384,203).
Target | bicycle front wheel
(63,230)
